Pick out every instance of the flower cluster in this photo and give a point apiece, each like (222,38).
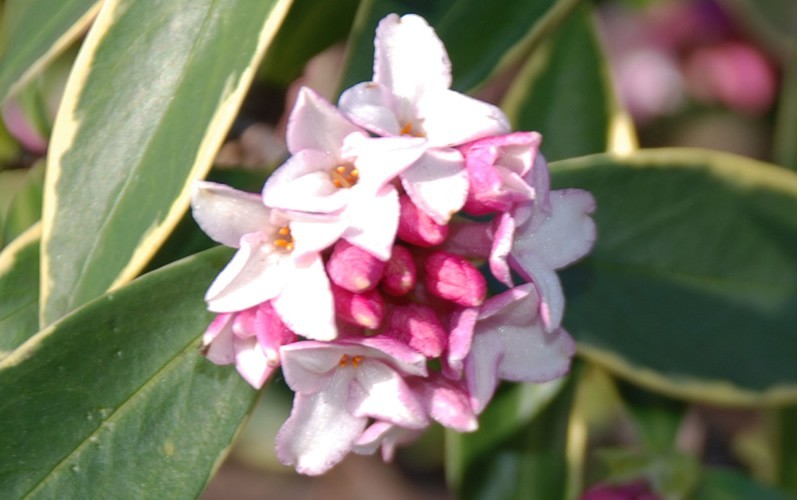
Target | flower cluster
(356,266)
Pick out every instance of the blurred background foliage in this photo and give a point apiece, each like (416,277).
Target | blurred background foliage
(685,380)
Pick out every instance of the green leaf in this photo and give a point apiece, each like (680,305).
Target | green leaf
(153,92)
(19,290)
(785,145)
(510,410)
(564,91)
(530,463)
(481,38)
(723,484)
(691,287)
(310,27)
(115,401)
(656,418)
(26,204)
(36,31)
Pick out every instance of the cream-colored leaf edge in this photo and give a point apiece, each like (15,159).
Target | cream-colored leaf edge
(9,254)
(742,171)
(717,392)
(57,48)
(67,124)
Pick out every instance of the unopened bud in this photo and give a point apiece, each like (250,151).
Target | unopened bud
(454,278)
(417,227)
(400,273)
(361,309)
(354,269)
(419,326)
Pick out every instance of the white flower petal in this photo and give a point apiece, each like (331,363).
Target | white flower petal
(226,214)
(409,58)
(371,106)
(320,431)
(380,392)
(304,184)
(450,118)
(251,361)
(255,274)
(437,183)
(316,124)
(305,304)
(372,223)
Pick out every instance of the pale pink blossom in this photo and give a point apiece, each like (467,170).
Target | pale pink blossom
(251,339)
(339,386)
(337,169)
(510,342)
(277,259)
(410,95)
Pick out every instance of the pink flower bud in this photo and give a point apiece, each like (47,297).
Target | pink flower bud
(454,278)
(419,326)
(400,273)
(354,269)
(360,309)
(417,227)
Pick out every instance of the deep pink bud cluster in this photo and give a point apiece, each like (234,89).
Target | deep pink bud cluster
(362,271)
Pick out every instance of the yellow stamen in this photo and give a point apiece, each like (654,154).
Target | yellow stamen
(284,240)
(344,176)
(354,361)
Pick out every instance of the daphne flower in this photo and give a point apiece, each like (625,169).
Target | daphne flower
(338,387)
(337,169)
(277,259)
(510,342)
(250,339)
(550,240)
(410,95)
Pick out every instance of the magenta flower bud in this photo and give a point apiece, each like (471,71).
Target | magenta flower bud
(400,273)
(454,278)
(352,268)
(638,490)
(361,309)
(417,227)
(419,326)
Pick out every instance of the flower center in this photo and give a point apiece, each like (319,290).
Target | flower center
(344,176)
(284,240)
(408,129)
(355,360)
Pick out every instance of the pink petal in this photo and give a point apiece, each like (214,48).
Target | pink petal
(352,268)
(380,160)
(470,239)
(398,354)
(561,236)
(226,214)
(218,340)
(501,247)
(385,435)
(459,342)
(448,403)
(454,278)
(316,124)
(361,309)
(308,287)
(320,430)
(308,365)
(251,362)
(437,183)
(400,272)
(419,326)
(551,305)
(380,392)
(417,227)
